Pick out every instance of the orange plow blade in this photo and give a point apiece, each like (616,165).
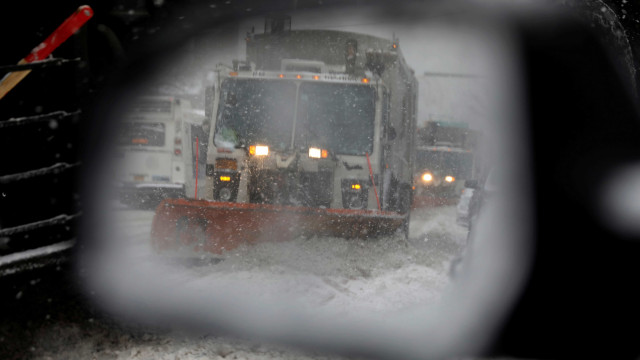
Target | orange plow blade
(215,227)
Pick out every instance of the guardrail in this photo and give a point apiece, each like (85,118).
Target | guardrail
(39,201)
(39,204)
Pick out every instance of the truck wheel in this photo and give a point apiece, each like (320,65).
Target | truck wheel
(404,228)
(405,195)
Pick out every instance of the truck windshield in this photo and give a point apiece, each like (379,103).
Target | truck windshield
(255,112)
(337,117)
(452,163)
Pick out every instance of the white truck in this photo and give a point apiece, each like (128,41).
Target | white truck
(153,161)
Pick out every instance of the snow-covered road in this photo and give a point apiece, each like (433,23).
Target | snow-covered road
(332,274)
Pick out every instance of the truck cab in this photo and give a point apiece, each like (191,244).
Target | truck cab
(301,124)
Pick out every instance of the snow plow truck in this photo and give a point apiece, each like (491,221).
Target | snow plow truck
(311,134)
(445,159)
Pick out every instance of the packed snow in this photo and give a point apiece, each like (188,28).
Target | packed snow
(335,275)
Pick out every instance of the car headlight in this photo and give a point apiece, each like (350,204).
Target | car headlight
(426,177)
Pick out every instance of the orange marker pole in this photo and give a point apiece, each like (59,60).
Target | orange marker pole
(375,191)
(40,52)
(197,165)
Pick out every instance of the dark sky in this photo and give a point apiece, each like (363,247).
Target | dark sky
(30,21)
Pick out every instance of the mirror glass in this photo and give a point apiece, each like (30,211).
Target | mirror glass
(289,219)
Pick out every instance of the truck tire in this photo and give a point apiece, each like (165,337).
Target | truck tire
(405,196)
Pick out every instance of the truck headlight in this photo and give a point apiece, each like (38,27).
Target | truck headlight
(259,150)
(449,179)
(317,153)
(426,177)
